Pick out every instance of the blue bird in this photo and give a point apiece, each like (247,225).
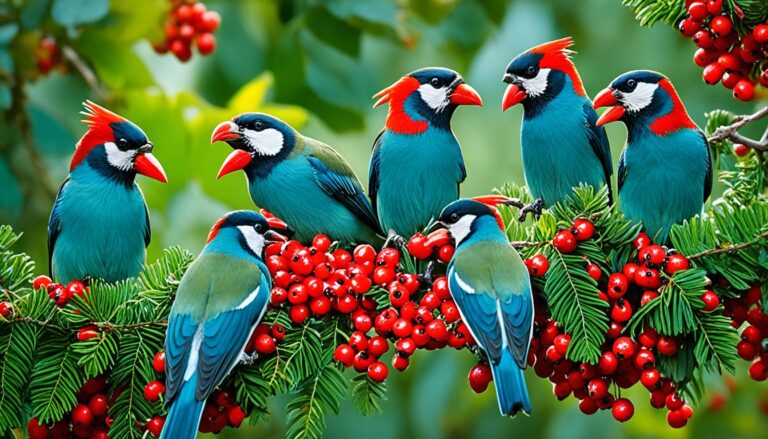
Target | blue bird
(665,171)
(562,147)
(220,300)
(99,224)
(416,166)
(492,289)
(302,181)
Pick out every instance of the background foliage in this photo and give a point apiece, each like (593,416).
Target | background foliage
(316,64)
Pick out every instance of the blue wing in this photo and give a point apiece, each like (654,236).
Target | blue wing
(373,171)
(494,319)
(708,177)
(147,228)
(224,338)
(346,190)
(599,141)
(54,225)
(178,345)
(622,172)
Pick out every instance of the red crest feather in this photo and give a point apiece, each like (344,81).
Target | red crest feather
(557,55)
(215,229)
(396,94)
(677,118)
(98,119)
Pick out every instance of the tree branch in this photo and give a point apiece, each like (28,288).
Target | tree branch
(729,132)
(730,249)
(89,76)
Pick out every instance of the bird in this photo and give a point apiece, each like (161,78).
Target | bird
(416,165)
(99,224)
(665,171)
(492,290)
(562,147)
(302,181)
(220,299)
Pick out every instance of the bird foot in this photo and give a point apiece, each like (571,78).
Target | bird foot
(534,208)
(427,277)
(248,359)
(395,240)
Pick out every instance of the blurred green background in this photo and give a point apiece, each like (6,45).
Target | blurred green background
(316,64)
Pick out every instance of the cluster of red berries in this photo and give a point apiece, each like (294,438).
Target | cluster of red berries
(189,23)
(421,248)
(47,55)
(265,338)
(753,346)
(736,61)
(624,360)
(61,294)
(89,419)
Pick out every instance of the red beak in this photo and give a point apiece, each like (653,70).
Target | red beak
(225,131)
(237,160)
(606,98)
(513,95)
(465,95)
(438,238)
(146,164)
(273,236)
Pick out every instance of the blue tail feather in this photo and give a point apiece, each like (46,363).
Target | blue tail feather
(510,386)
(184,415)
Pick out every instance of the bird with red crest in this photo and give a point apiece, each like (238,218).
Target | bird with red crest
(562,146)
(99,225)
(416,166)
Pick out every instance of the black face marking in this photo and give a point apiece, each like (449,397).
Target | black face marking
(452,213)
(97,159)
(128,136)
(534,106)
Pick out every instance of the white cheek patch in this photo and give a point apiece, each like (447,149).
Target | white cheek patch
(461,228)
(537,85)
(255,240)
(267,142)
(122,160)
(436,98)
(640,98)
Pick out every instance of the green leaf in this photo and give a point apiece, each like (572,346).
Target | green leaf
(56,379)
(333,31)
(18,343)
(367,395)
(73,12)
(323,391)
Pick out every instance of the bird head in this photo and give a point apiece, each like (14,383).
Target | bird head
(256,138)
(539,74)
(425,97)
(646,97)
(115,146)
(253,230)
(457,219)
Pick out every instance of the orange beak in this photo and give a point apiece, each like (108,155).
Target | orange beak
(224,131)
(465,95)
(513,95)
(438,238)
(146,164)
(606,98)
(237,159)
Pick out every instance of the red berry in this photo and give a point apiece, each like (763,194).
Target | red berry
(621,311)
(608,363)
(405,346)
(645,359)
(155,425)
(537,265)
(99,405)
(322,306)
(209,22)
(450,311)
(666,345)
(344,354)
(388,257)
(676,419)
(703,39)
(358,341)
(561,344)
(437,330)
(6,309)
(35,429)
(597,388)
(383,275)
(416,247)
(698,11)
(87,333)
(648,278)
(265,344)
(744,90)
(378,346)
(649,378)
(158,362)
(181,50)
(740,150)
(298,313)
(564,241)
(747,350)
(82,415)
(752,335)
(652,255)
(641,240)
(622,409)
(703,57)
(364,253)
(378,372)
(236,416)
(760,32)
(675,263)
(758,370)
(648,296)
(629,270)
(588,406)
(76,288)
(583,229)
(361,361)
(445,253)
(713,73)
(721,25)
(617,285)
(594,271)
(714,7)
(400,362)
(711,301)
(730,62)
(674,402)
(648,337)
(402,328)
(624,347)
(152,391)
(479,377)
(689,27)
(41,282)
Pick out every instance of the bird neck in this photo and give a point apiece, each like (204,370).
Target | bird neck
(483,228)
(557,83)
(231,242)
(665,115)
(96,164)
(676,117)
(409,114)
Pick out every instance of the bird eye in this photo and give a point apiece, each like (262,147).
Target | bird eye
(259,228)
(631,84)
(122,143)
(531,71)
(258,125)
(454,217)
(435,82)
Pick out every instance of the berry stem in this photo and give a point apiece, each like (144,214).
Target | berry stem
(729,132)
(730,249)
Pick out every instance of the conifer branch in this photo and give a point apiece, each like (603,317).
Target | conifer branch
(730,132)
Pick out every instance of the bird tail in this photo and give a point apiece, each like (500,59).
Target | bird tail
(510,386)
(184,415)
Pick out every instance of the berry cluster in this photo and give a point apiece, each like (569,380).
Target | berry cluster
(61,294)
(48,55)
(189,23)
(753,346)
(89,418)
(736,61)
(625,360)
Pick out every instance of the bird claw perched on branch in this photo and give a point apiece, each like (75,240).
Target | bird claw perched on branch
(395,240)
(535,208)
(248,359)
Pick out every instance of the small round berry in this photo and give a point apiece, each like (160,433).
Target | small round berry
(344,354)
(235,416)
(564,241)
(99,405)
(537,265)
(711,301)
(740,150)
(155,425)
(41,282)
(158,362)
(378,372)
(594,271)
(622,410)
(744,90)
(667,346)
(153,390)
(479,377)
(583,229)
(675,263)
(35,429)
(721,25)
(617,285)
